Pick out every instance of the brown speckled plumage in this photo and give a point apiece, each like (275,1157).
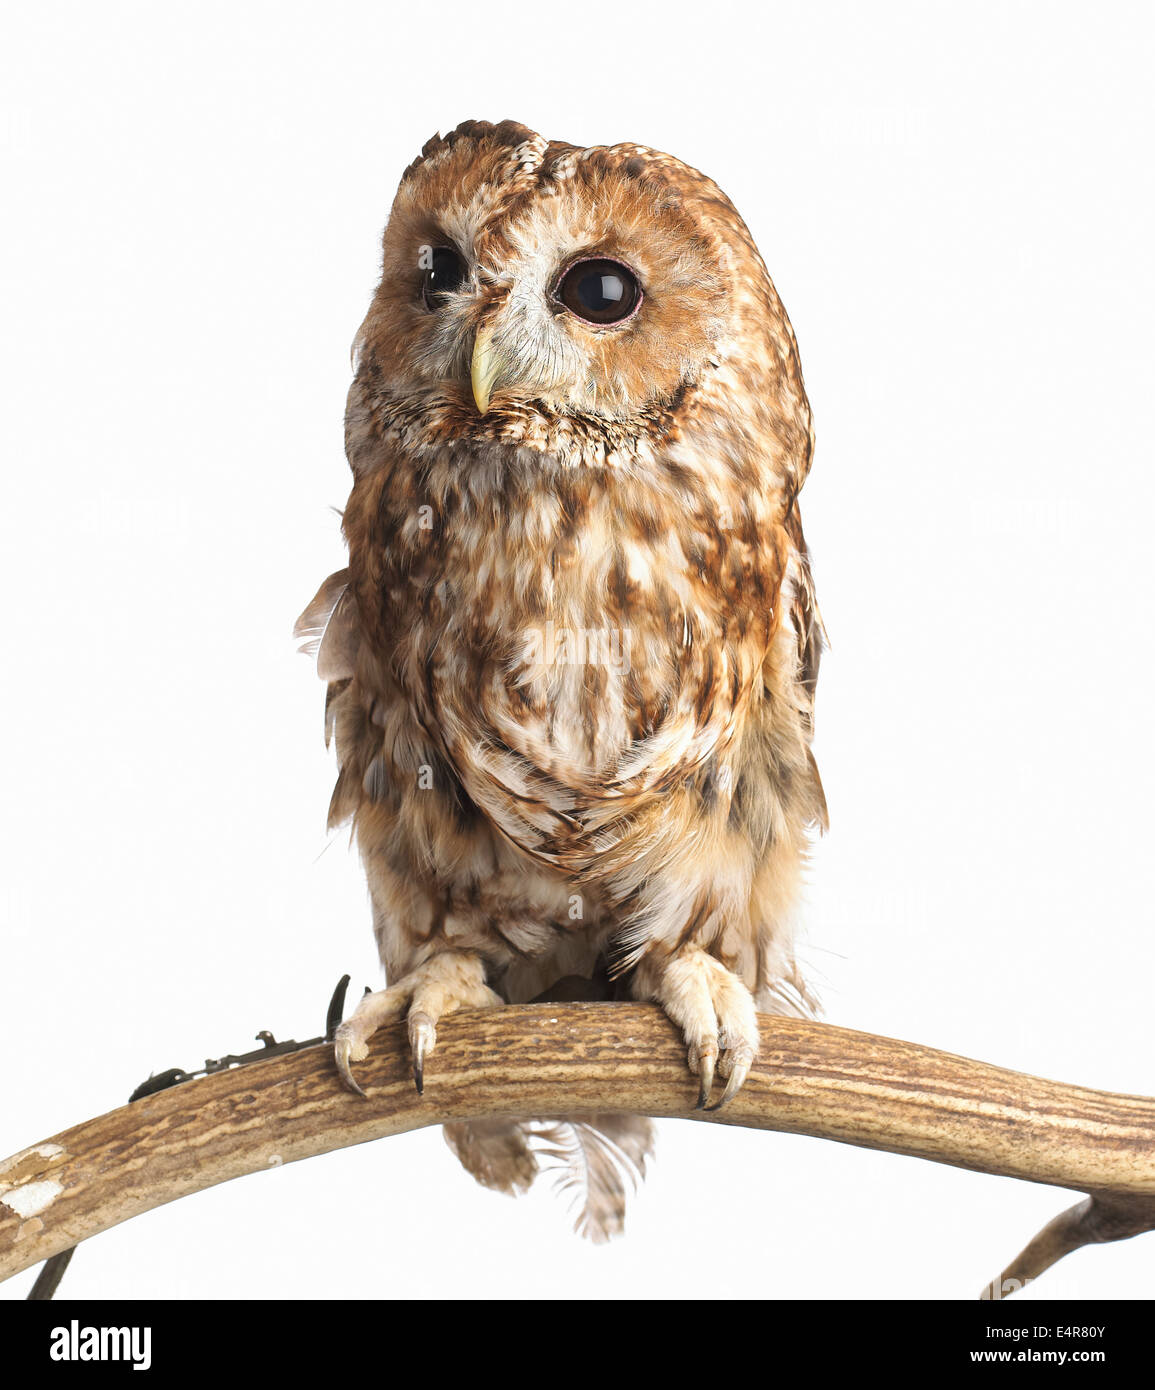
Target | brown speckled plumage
(572,661)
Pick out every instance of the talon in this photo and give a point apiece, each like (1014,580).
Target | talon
(341,1054)
(422,1037)
(740,1070)
(706,1061)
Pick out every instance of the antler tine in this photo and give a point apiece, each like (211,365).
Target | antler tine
(1097,1219)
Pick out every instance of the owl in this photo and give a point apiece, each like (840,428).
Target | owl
(571,663)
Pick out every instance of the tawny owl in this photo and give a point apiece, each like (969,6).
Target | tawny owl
(572,661)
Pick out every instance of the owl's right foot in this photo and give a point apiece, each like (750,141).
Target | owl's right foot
(441,985)
(715,1012)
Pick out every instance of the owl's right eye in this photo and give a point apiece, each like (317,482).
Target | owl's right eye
(445,273)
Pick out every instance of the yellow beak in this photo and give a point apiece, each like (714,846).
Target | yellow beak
(484,369)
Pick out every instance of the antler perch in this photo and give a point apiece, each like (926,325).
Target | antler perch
(551,1059)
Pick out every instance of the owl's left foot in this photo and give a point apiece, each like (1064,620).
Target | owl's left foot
(446,982)
(715,1012)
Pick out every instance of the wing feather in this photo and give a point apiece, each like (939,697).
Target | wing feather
(331,628)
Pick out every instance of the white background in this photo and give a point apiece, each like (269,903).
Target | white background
(955,204)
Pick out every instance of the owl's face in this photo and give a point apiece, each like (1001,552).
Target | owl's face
(523,278)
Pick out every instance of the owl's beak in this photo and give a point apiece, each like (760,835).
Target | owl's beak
(486,367)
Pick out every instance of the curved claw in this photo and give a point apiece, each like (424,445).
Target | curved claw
(422,1037)
(739,1071)
(342,1051)
(707,1059)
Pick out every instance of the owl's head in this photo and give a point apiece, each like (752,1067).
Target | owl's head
(534,283)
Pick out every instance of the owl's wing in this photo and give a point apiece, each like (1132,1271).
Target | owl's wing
(809,635)
(805,616)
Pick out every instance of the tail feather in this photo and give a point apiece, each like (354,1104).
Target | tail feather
(495,1152)
(597,1159)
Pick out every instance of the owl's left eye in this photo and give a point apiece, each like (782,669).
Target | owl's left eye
(445,273)
(600,291)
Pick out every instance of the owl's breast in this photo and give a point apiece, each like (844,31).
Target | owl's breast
(573,663)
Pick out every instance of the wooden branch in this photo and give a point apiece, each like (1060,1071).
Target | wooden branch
(567,1059)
